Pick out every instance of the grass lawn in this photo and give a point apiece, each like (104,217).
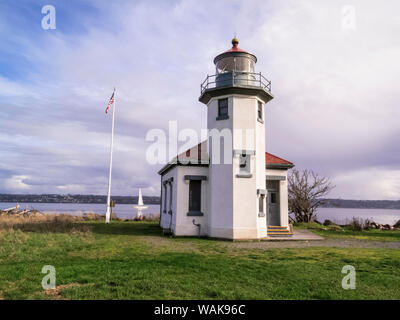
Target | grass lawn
(132,260)
(334,231)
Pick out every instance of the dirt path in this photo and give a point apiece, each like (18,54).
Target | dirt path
(338,243)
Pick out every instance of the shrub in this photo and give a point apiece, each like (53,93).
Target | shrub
(356,224)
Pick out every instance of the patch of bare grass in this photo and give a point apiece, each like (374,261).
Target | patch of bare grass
(57,292)
(44,223)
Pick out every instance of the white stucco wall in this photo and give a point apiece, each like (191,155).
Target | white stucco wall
(260,180)
(247,224)
(220,219)
(184,223)
(234,201)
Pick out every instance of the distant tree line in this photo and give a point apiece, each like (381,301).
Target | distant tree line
(361,204)
(74,198)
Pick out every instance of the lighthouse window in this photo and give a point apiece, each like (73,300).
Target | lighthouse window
(261,204)
(194,198)
(260,111)
(165,197)
(222,109)
(170,182)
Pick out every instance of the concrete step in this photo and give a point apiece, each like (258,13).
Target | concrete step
(280,235)
(278,231)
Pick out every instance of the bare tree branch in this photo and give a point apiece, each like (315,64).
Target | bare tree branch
(306,190)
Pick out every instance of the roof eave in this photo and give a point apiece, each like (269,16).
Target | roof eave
(171,165)
(283,166)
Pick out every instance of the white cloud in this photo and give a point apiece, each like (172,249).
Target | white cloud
(369,183)
(336,93)
(16,184)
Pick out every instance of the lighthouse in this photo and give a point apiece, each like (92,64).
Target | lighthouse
(235,98)
(228,186)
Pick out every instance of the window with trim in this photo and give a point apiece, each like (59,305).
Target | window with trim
(194,197)
(223,109)
(260,112)
(170,197)
(165,197)
(261,203)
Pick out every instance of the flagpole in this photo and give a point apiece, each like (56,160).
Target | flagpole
(108,213)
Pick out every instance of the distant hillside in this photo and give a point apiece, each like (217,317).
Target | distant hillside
(81,198)
(362,204)
(74,198)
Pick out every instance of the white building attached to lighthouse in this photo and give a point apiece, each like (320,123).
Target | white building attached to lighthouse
(228,186)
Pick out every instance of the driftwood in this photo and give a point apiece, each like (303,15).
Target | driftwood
(15,212)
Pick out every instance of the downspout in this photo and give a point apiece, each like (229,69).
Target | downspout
(198,225)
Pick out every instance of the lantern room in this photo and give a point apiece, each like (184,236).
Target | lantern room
(235,59)
(235,73)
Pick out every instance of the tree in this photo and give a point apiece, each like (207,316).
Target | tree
(306,190)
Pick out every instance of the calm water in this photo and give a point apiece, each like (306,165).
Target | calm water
(127,211)
(343,215)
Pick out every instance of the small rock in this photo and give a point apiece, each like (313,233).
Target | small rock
(328,222)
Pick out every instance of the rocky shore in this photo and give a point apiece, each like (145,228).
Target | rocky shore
(360,224)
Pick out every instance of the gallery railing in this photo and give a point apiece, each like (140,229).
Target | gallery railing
(235,78)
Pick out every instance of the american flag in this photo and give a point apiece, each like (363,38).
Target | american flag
(110,102)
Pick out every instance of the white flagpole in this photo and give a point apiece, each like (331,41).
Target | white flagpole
(108,213)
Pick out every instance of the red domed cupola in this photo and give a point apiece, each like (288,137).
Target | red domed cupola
(235,59)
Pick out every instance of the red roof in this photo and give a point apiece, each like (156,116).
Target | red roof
(235,47)
(199,155)
(199,152)
(272,159)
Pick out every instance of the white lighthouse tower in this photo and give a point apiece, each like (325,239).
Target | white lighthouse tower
(235,97)
(228,186)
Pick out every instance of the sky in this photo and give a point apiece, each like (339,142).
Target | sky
(334,67)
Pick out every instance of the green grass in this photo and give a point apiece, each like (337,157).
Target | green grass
(334,231)
(132,260)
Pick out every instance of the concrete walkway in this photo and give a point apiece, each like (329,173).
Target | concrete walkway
(298,235)
(329,243)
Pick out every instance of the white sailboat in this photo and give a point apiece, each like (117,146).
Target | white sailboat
(140,206)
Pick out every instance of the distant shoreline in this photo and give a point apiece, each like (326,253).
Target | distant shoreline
(362,204)
(102,199)
(76,198)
